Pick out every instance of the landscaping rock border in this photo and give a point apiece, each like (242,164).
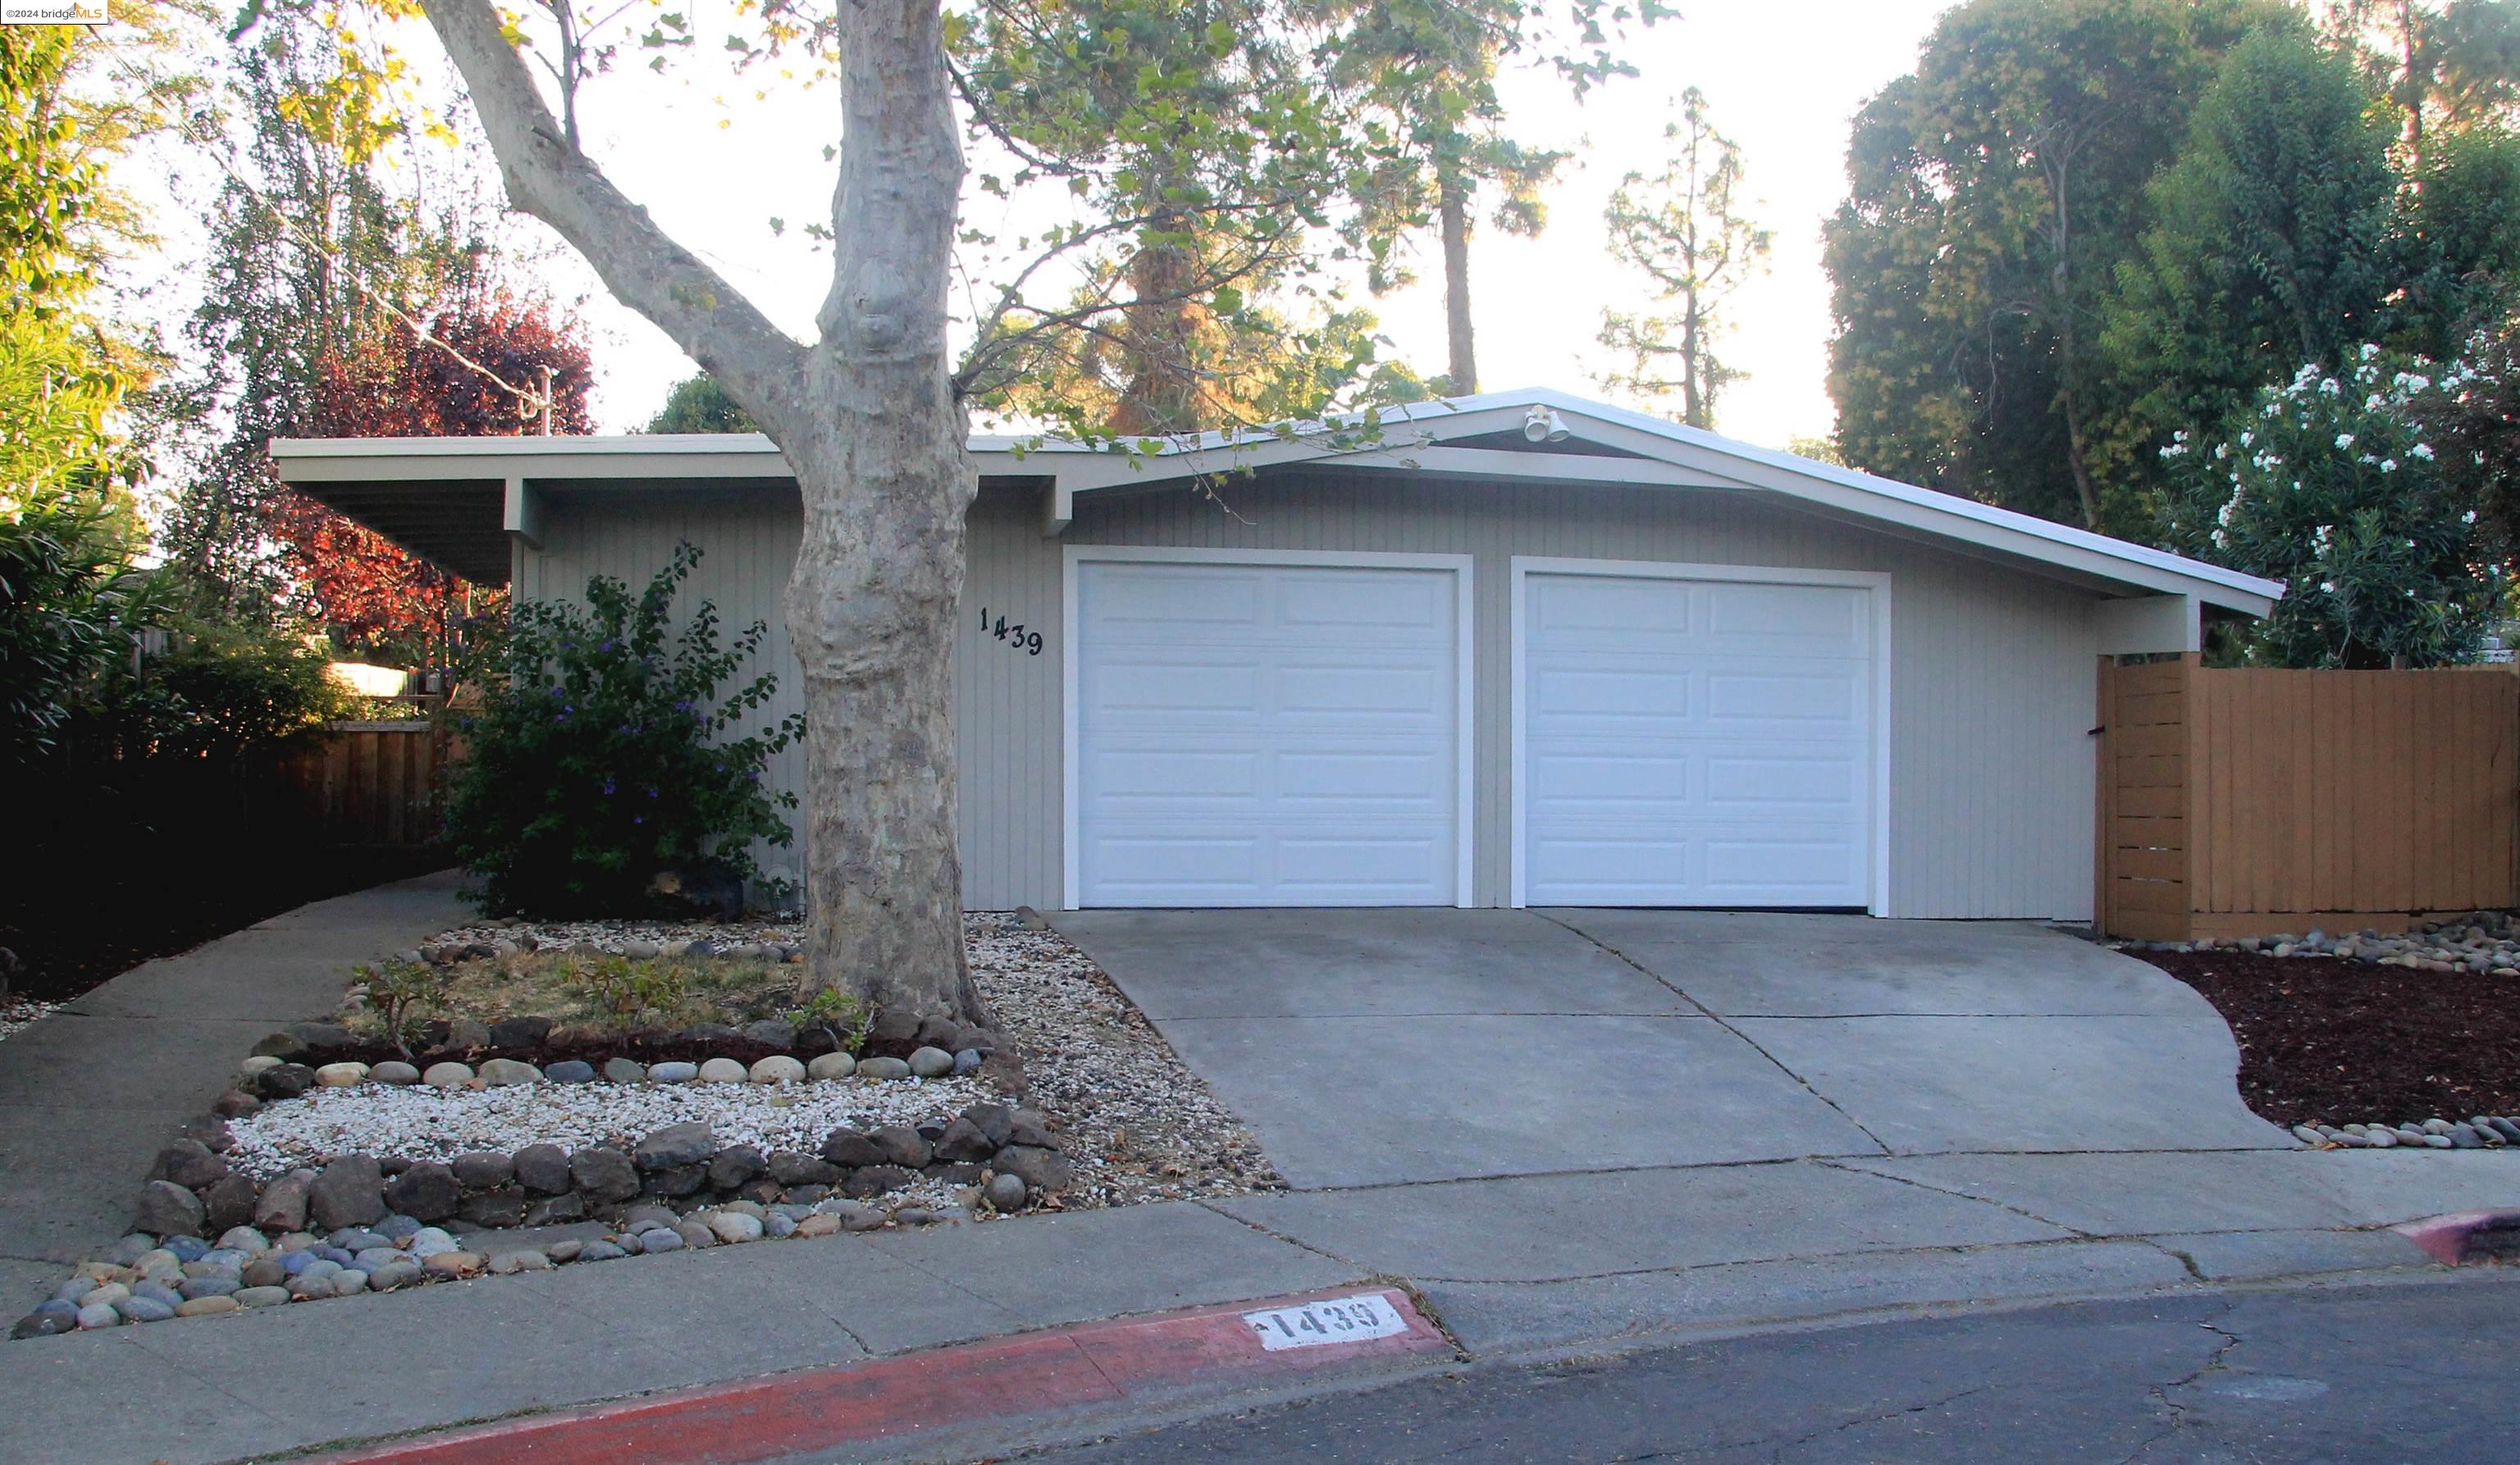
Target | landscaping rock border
(360,1223)
(2478,941)
(2483,1132)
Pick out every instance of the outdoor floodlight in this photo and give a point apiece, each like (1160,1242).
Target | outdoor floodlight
(1541,424)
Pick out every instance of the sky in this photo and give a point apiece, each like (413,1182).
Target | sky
(715,159)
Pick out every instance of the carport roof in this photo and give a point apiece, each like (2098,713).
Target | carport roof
(457,500)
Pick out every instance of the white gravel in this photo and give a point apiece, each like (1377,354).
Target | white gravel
(17,1014)
(429,1123)
(1135,1122)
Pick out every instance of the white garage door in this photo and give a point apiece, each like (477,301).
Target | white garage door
(1695,742)
(1266,735)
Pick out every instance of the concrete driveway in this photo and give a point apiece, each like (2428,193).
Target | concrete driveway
(1370,1048)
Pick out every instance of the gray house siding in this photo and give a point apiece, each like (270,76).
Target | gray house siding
(1990,789)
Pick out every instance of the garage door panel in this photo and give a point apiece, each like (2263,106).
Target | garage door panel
(1695,742)
(1158,604)
(1818,868)
(1627,694)
(1307,753)
(1379,610)
(1173,774)
(1834,697)
(1785,784)
(1815,619)
(1573,607)
(1363,775)
(1382,688)
(1120,689)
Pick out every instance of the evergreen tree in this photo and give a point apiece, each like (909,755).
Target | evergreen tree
(1684,231)
(2271,236)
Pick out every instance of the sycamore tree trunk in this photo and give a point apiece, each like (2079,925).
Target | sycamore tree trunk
(881,452)
(1452,218)
(870,427)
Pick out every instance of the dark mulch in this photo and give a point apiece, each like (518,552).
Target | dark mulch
(76,925)
(2331,1041)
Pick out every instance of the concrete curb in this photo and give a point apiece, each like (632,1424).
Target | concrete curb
(1129,1360)
(2465,1238)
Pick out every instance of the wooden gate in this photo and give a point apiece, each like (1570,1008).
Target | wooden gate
(2249,802)
(377,785)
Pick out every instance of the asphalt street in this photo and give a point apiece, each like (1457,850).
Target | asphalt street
(2411,1372)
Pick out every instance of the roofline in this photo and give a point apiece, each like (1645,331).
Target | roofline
(1087,468)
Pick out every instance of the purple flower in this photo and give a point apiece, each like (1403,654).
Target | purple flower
(607,788)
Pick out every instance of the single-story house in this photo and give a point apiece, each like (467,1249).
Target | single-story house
(1527,649)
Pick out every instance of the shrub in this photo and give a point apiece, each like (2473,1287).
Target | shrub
(628,991)
(221,689)
(2326,484)
(602,751)
(839,1015)
(398,992)
(70,601)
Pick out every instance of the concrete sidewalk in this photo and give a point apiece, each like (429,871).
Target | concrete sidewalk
(1514,1267)
(89,1094)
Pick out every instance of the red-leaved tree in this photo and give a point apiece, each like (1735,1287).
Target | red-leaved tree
(484,370)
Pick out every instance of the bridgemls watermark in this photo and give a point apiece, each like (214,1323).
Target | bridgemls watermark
(53,13)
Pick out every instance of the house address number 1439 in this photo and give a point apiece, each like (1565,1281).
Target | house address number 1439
(1017,637)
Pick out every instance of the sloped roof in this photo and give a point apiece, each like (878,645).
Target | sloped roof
(432,494)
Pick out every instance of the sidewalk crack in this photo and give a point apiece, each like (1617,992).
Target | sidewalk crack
(1711,1015)
(2021,1211)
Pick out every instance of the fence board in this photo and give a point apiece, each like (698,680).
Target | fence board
(371,783)
(2259,800)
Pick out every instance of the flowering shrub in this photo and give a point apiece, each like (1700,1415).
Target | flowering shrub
(2326,484)
(602,751)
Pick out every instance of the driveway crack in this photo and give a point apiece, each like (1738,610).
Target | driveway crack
(1711,1015)
(1962,1195)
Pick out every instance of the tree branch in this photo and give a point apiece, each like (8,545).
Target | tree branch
(761,366)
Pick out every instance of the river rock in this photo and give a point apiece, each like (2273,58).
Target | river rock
(505,1073)
(932,1063)
(570,1071)
(723,1071)
(348,1192)
(778,1068)
(687,1143)
(603,1174)
(675,1072)
(395,1072)
(227,1202)
(1040,1169)
(831,1066)
(167,1209)
(340,1075)
(734,1164)
(447,1075)
(882,1068)
(542,1167)
(484,1170)
(624,1071)
(902,1146)
(849,1149)
(427,1191)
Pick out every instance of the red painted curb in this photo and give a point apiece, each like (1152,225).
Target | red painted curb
(761,1419)
(2466,1237)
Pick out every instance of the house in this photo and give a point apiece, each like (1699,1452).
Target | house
(1527,649)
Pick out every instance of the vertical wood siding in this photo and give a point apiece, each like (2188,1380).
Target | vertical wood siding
(1991,804)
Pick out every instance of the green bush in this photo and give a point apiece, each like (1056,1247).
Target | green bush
(2328,485)
(70,601)
(602,751)
(221,689)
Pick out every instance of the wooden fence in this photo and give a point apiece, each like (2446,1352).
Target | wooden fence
(373,785)
(2252,802)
